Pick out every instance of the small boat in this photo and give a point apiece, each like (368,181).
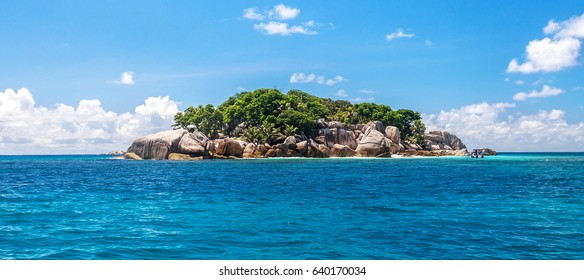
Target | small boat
(477,153)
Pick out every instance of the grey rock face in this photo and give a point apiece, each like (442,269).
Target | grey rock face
(157,146)
(372,144)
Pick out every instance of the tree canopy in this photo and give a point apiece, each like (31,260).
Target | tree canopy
(260,114)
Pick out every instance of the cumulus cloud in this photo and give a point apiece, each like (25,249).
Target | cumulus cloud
(490,125)
(283,12)
(127,78)
(547,55)
(341,93)
(555,53)
(279,12)
(276,15)
(282,28)
(252,14)
(26,128)
(399,33)
(546,91)
(330,82)
(307,78)
(302,78)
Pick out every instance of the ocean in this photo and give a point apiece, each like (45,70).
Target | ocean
(510,206)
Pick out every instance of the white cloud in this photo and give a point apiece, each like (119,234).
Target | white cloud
(307,78)
(284,12)
(252,14)
(399,33)
(546,91)
(573,27)
(26,128)
(127,78)
(553,54)
(279,12)
(282,28)
(489,125)
(330,82)
(341,93)
(551,27)
(367,91)
(276,15)
(302,78)
(428,43)
(547,55)
(519,82)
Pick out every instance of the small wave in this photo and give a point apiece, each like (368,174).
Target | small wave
(390,209)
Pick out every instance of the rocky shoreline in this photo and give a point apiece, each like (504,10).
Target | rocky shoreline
(332,139)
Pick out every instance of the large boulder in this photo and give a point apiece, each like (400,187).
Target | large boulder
(377,125)
(489,152)
(438,140)
(178,156)
(342,151)
(190,145)
(157,146)
(226,147)
(233,148)
(248,151)
(131,155)
(372,144)
(260,151)
(219,147)
(343,137)
(324,136)
(278,150)
(302,147)
(325,150)
(313,149)
(290,142)
(392,133)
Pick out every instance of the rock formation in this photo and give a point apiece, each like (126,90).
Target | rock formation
(440,143)
(372,144)
(333,139)
(159,145)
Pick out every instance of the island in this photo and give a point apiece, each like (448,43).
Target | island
(267,123)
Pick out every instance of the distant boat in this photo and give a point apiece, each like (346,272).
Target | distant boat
(477,153)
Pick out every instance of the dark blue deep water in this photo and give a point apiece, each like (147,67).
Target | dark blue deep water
(512,206)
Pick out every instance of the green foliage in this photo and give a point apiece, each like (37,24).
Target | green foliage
(206,119)
(339,110)
(417,132)
(265,114)
(254,135)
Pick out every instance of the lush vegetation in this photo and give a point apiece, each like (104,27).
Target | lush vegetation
(264,114)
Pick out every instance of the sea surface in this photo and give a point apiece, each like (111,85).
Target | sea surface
(510,206)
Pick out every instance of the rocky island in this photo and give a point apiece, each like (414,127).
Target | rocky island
(266,123)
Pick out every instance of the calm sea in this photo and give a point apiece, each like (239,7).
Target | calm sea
(511,206)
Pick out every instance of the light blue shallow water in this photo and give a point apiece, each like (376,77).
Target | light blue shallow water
(512,206)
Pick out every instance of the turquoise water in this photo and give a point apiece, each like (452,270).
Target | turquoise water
(512,206)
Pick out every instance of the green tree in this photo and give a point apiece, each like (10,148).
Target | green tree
(206,119)
(266,114)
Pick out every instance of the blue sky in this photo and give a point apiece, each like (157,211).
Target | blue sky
(86,67)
